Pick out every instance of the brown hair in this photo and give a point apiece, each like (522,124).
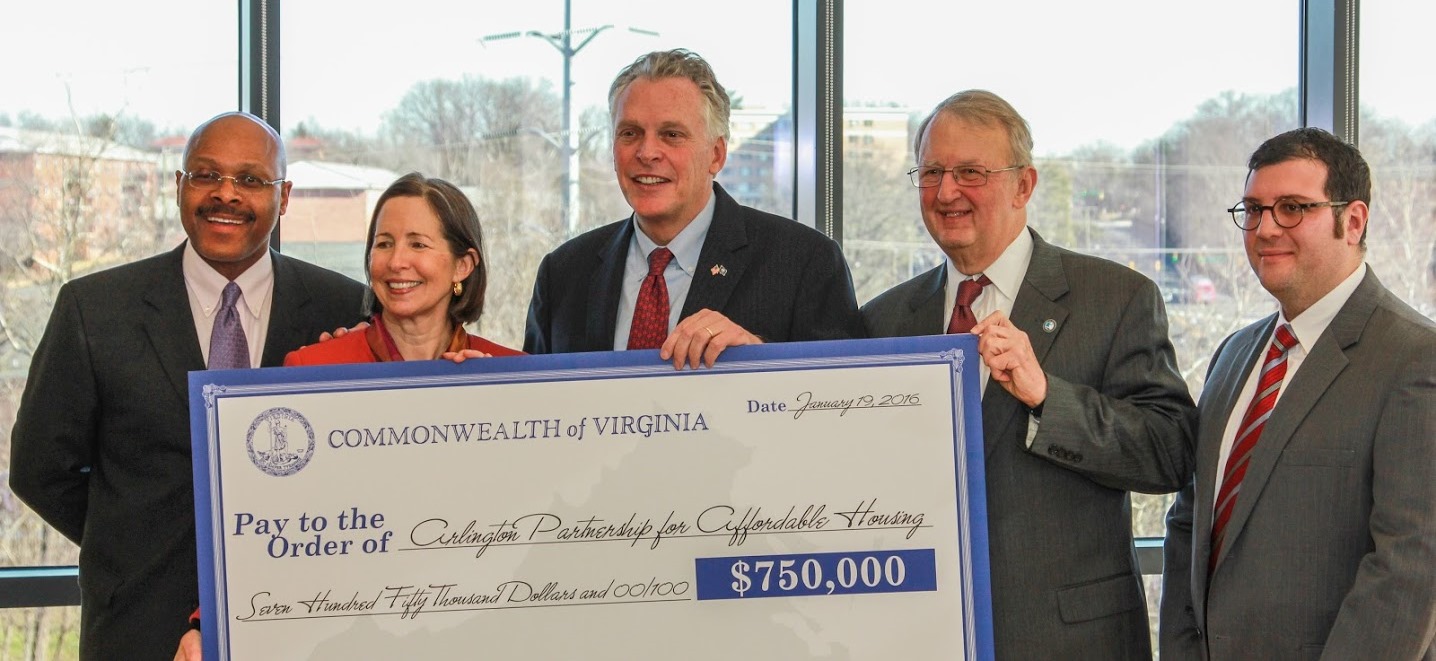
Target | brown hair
(462,231)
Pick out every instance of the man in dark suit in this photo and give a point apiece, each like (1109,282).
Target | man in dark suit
(731,275)
(1087,406)
(101,444)
(1309,530)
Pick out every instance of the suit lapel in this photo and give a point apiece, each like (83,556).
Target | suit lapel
(925,305)
(1035,306)
(286,331)
(722,261)
(605,288)
(1322,365)
(167,317)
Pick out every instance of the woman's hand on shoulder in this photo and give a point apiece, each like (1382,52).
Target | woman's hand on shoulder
(341,332)
(461,356)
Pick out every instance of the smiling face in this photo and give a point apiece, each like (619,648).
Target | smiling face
(973,224)
(227,226)
(1299,265)
(662,153)
(412,268)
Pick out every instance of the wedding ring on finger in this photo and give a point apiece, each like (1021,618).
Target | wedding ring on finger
(710,332)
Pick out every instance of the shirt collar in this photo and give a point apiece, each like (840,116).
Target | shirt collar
(1311,323)
(1007,271)
(688,245)
(208,285)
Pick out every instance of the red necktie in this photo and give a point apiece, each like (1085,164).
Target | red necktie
(1273,370)
(650,315)
(967,291)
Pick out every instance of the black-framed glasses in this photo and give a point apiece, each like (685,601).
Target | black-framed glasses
(210,180)
(930,176)
(1285,213)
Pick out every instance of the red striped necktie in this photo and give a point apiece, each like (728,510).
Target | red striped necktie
(1273,370)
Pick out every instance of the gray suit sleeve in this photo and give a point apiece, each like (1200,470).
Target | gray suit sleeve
(1177,635)
(1134,430)
(53,442)
(1390,611)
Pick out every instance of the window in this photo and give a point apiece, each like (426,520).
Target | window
(473,93)
(98,102)
(1398,138)
(1138,145)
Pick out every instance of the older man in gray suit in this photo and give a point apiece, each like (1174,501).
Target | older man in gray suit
(1088,404)
(1310,529)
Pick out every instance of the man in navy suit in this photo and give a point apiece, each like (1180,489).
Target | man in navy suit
(736,276)
(101,444)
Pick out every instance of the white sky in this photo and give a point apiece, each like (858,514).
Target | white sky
(1078,76)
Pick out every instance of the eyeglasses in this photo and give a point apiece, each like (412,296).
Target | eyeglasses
(207,180)
(929,176)
(1285,213)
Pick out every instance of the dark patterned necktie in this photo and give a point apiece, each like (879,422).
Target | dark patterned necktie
(967,292)
(650,315)
(228,348)
(1273,370)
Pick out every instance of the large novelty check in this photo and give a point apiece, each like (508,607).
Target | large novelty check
(807,500)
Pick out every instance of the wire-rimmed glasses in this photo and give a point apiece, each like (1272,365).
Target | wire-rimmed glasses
(930,176)
(210,180)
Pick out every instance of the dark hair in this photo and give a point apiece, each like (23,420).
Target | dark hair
(462,231)
(1348,178)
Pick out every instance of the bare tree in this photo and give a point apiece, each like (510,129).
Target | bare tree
(452,127)
(1401,236)
(75,200)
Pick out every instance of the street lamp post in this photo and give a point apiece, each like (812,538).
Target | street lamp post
(568,147)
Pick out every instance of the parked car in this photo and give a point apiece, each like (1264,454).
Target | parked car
(1179,290)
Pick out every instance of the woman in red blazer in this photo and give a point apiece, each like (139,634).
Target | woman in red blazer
(424,259)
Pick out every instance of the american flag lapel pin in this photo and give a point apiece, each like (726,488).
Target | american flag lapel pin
(718,269)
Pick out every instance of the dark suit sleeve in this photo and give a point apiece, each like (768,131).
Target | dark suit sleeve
(540,321)
(53,442)
(827,308)
(1389,613)
(1178,637)
(1133,431)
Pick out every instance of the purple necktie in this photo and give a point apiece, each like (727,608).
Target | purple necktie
(228,348)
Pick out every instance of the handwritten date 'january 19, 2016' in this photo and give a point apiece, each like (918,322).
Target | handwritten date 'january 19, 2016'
(808,402)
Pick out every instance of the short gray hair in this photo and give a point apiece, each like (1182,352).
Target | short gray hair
(988,109)
(678,63)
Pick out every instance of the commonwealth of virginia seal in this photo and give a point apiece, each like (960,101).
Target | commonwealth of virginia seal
(286,447)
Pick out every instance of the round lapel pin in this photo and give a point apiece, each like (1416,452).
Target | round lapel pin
(1049,325)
